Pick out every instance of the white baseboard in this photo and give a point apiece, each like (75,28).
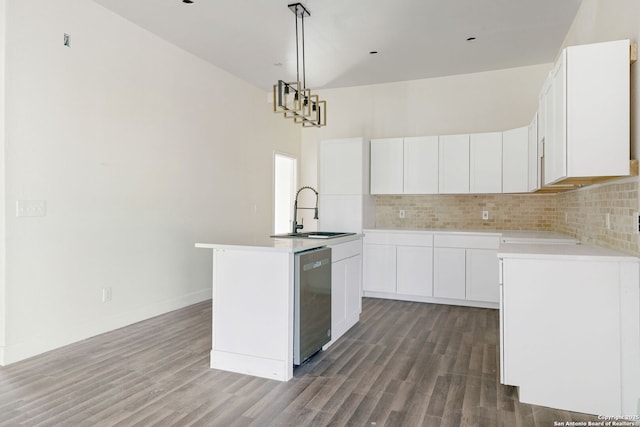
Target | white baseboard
(16,352)
(432,300)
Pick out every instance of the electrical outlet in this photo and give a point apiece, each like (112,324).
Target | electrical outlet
(485,215)
(31,208)
(607,221)
(401,213)
(106,294)
(566,217)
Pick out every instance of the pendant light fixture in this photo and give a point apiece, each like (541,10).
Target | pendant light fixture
(293,99)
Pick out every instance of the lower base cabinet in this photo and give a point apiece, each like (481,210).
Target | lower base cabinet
(398,265)
(482,275)
(346,287)
(449,273)
(439,267)
(570,337)
(379,268)
(414,270)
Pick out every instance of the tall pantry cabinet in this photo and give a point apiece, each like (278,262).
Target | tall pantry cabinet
(344,202)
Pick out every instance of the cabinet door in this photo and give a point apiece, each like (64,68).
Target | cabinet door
(449,273)
(379,268)
(346,294)
(555,144)
(515,160)
(454,164)
(387,166)
(485,167)
(482,275)
(421,165)
(414,270)
(597,109)
(340,212)
(534,157)
(353,276)
(338,298)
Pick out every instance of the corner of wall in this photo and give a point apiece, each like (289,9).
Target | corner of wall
(3,33)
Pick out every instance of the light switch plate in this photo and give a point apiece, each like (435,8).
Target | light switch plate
(31,208)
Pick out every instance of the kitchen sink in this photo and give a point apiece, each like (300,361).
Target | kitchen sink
(313,235)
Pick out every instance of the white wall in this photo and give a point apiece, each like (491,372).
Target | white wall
(480,102)
(140,150)
(605,20)
(3,27)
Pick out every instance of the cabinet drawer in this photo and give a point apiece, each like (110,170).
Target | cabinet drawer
(345,250)
(408,239)
(466,241)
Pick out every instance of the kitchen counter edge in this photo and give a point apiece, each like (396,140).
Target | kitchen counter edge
(278,244)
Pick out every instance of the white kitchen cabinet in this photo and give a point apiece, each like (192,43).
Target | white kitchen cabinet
(398,264)
(344,203)
(515,160)
(453,164)
(449,273)
(346,287)
(482,275)
(421,165)
(569,327)
(387,166)
(555,144)
(404,165)
(533,175)
(465,267)
(379,268)
(437,267)
(414,270)
(485,162)
(586,102)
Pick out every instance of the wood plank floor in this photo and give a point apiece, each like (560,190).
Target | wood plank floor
(404,364)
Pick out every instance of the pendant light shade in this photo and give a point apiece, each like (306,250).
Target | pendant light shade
(293,99)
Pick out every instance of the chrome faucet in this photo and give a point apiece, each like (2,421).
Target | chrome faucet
(300,226)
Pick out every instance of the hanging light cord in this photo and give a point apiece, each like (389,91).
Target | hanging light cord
(297,48)
(304,68)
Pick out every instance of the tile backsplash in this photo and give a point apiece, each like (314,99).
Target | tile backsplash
(579,213)
(582,213)
(506,211)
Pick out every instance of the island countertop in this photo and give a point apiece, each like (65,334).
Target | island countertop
(272,244)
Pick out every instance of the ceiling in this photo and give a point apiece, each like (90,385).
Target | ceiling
(255,39)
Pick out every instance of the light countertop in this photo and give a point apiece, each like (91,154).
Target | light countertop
(266,243)
(562,252)
(506,235)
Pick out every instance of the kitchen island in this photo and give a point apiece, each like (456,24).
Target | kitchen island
(570,326)
(253,300)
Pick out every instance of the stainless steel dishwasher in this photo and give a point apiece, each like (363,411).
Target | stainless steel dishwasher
(312,303)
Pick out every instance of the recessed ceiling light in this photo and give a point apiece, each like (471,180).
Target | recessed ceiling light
(373,52)
(471,39)
(187,1)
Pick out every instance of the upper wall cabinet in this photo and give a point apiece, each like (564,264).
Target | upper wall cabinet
(454,164)
(534,170)
(387,170)
(343,169)
(585,114)
(404,165)
(421,165)
(485,162)
(515,160)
